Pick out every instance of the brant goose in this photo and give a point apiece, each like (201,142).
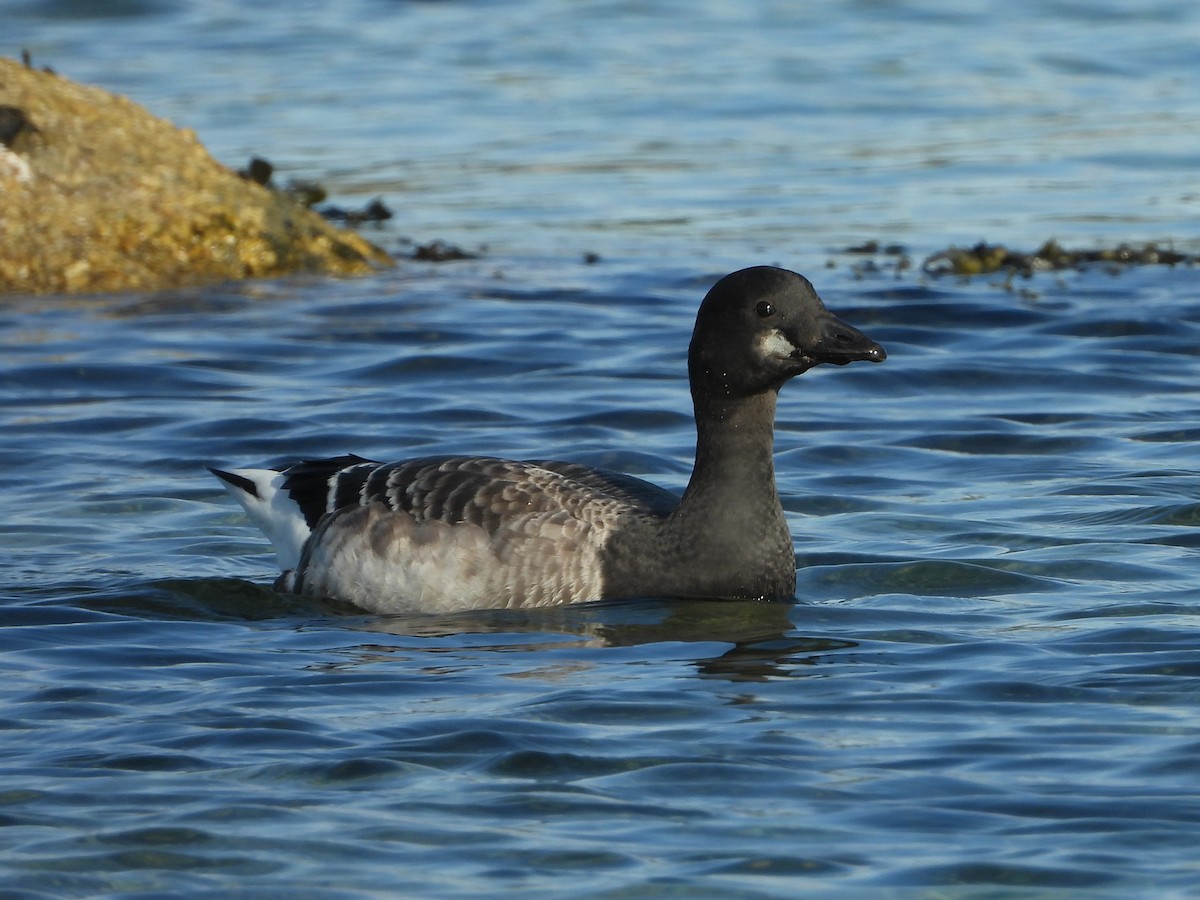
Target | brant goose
(447,533)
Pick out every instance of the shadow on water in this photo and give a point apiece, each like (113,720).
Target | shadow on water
(758,637)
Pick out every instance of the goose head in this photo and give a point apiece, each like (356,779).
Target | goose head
(761,326)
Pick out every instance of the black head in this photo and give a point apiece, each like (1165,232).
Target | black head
(761,326)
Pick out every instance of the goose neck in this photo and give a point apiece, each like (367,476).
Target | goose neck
(734,452)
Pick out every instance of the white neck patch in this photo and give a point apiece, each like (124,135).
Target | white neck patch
(774,345)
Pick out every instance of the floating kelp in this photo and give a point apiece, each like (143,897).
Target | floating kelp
(985,258)
(375,211)
(440,251)
(867,263)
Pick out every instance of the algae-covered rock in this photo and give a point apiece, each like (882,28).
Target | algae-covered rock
(97,194)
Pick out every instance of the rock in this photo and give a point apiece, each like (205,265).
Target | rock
(98,195)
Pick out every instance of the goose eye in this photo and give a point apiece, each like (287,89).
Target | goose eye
(764,309)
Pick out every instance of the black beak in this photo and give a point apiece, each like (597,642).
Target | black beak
(840,343)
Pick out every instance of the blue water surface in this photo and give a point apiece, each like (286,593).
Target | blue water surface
(988,685)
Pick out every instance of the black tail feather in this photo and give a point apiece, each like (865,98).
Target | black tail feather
(239,482)
(307,483)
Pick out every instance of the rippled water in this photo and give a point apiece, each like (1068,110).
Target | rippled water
(710,129)
(988,685)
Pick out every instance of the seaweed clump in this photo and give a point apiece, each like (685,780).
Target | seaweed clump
(984,258)
(896,259)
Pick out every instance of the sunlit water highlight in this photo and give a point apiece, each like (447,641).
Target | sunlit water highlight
(988,683)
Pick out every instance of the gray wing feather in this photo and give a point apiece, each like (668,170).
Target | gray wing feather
(481,490)
(639,494)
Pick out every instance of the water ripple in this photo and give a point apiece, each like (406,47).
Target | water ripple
(988,683)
